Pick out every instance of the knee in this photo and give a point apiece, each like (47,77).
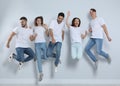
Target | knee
(99,52)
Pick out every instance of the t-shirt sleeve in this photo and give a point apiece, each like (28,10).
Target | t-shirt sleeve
(101,21)
(15,30)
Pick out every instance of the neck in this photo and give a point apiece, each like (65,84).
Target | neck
(39,25)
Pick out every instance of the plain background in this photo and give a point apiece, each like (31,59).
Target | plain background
(12,10)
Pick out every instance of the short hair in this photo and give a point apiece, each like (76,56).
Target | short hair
(74,21)
(23,18)
(35,21)
(94,10)
(61,14)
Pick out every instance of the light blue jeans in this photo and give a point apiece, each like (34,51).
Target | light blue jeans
(76,50)
(99,43)
(20,54)
(50,51)
(40,51)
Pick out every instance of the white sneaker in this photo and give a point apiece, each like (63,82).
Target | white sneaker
(20,65)
(56,69)
(40,76)
(108,60)
(10,59)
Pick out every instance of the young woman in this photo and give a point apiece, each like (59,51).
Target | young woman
(75,35)
(40,32)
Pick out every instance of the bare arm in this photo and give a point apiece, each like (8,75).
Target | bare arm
(84,35)
(9,39)
(68,14)
(106,32)
(90,30)
(52,36)
(46,29)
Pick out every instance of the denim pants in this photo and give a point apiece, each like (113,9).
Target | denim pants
(20,54)
(40,51)
(99,43)
(50,51)
(76,50)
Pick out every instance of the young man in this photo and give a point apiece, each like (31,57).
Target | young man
(56,33)
(24,36)
(97,29)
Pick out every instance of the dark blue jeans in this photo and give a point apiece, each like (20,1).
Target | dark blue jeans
(99,43)
(20,54)
(57,46)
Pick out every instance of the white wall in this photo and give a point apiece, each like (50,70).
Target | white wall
(12,10)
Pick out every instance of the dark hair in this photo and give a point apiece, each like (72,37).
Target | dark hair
(35,21)
(23,18)
(61,14)
(94,10)
(73,24)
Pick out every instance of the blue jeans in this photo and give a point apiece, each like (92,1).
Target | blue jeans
(76,50)
(20,54)
(57,46)
(40,51)
(99,43)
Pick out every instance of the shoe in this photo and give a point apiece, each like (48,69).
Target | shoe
(96,64)
(40,76)
(11,57)
(108,60)
(35,59)
(56,69)
(20,65)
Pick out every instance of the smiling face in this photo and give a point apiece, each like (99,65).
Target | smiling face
(76,22)
(23,23)
(93,13)
(38,21)
(60,19)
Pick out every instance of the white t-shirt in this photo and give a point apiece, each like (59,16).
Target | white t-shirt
(23,37)
(57,30)
(75,34)
(40,31)
(96,26)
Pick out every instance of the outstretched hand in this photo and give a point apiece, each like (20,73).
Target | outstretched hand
(68,13)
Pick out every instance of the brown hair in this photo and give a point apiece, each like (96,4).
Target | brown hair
(35,21)
(94,10)
(73,21)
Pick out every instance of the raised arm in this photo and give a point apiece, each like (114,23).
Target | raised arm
(106,32)
(9,39)
(68,14)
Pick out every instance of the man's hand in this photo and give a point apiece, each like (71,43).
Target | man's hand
(7,45)
(109,39)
